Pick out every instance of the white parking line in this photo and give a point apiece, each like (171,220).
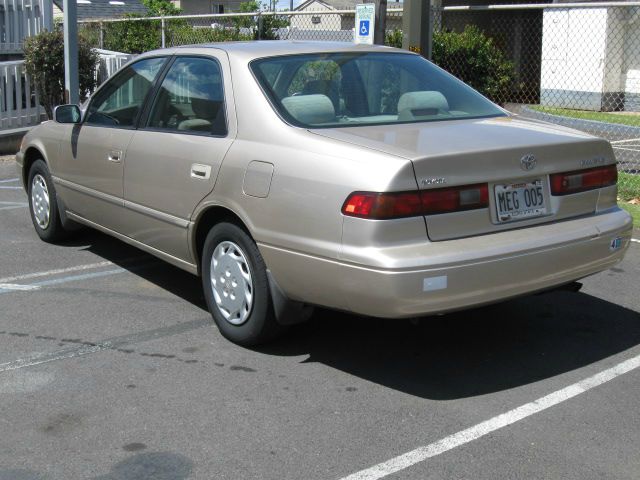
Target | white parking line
(56,281)
(480,430)
(615,142)
(14,206)
(39,358)
(16,287)
(2,187)
(8,284)
(57,271)
(626,149)
(635,240)
(9,180)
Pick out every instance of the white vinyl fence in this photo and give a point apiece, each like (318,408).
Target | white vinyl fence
(20,19)
(110,63)
(19,105)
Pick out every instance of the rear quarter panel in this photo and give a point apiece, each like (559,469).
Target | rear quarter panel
(298,225)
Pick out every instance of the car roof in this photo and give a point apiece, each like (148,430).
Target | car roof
(268,48)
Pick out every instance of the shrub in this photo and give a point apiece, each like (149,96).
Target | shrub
(44,62)
(475,59)
(393,38)
(135,36)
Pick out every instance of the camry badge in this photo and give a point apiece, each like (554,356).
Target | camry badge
(528,162)
(434,181)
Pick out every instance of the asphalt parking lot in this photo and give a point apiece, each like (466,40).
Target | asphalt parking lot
(110,369)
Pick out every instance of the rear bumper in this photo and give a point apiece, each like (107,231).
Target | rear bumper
(457,274)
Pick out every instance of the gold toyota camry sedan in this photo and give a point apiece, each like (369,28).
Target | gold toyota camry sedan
(297,174)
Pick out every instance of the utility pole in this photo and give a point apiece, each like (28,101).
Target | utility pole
(380,23)
(417,27)
(71,83)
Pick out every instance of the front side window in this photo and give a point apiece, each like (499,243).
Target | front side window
(119,102)
(191,98)
(349,89)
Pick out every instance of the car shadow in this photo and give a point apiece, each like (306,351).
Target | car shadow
(458,355)
(156,271)
(470,353)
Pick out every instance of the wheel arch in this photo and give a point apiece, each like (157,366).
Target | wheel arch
(205,220)
(32,154)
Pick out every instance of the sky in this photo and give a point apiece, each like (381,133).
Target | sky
(282,4)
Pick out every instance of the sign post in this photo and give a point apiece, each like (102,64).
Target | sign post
(381,22)
(365,23)
(417,26)
(70,19)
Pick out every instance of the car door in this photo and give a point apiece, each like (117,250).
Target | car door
(174,159)
(93,155)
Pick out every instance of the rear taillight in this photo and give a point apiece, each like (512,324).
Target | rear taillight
(583,180)
(384,206)
(455,199)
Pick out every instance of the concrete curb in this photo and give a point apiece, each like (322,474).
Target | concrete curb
(615,129)
(10,140)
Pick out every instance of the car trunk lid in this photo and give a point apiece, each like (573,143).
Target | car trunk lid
(507,153)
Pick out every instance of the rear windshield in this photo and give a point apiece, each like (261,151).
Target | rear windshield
(344,89)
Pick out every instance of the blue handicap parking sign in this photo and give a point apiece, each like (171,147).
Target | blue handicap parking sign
(364,27)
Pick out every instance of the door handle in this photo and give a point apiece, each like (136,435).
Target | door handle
(202,172)
(114,156)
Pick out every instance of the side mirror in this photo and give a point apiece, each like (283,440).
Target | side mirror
(67,114)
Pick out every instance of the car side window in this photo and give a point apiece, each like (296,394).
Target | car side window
(119,102)
(191,98)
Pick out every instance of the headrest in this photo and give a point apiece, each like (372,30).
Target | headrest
(325,87)
(424,103)
(204,108)
(310,109)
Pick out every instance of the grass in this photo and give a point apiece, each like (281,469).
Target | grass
(634,210)
(631,120)
(628,189)
(628,186)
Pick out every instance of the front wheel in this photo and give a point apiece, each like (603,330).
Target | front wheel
(43,204)
(234,279)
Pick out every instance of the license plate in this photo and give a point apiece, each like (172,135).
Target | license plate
(517,201)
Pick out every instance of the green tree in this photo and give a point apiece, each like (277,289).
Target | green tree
(161,7)
(476,60)
(138,36)
(393,38)
(134,36)
(44,62)
(264,27)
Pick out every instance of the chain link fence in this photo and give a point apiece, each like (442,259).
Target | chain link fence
(139,34)
(573,65)
(576,66)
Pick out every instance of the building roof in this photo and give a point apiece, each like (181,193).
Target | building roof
(344,4)
(94,9)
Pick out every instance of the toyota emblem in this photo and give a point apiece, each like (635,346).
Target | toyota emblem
(528,162)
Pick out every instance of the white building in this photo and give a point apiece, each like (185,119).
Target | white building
(591,58)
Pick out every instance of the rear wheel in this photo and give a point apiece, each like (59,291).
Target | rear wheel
(43,204)
(234,279)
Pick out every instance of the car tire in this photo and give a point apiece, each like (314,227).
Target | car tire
(236,288)
(43,205)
